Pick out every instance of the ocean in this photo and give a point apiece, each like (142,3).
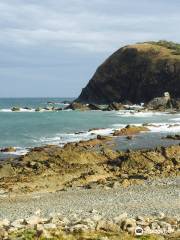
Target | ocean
(26,129)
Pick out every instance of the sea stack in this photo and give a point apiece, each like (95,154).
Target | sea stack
(136,73)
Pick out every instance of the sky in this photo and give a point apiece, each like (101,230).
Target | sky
(51,48)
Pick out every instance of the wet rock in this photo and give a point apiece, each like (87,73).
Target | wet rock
(8,149)
(130,130)
(58,109)
(173,137)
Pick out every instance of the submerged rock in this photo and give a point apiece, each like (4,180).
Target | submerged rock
(38,109)
(15,109)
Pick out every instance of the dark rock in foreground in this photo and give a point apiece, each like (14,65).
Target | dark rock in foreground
(136,73)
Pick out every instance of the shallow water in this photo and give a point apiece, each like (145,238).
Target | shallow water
(29,129)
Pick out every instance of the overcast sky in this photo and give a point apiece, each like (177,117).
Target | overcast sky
(53,47)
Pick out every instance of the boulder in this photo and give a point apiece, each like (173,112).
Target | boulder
(160,103)
(129,225)
(107,226)
(94,107)
(4,223)
(3,233)
(77,106)
(115,106)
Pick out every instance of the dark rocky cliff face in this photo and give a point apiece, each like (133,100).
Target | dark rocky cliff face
(136,73)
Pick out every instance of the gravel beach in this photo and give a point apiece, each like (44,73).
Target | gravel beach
(154,196)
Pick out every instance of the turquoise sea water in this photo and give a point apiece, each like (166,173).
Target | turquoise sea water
(29,129)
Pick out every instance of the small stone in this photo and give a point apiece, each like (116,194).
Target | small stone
(124,176)
(103,238)
(18,224)
(79,228)
(37,212)
(126,183)
(3,193)
(96,218)
(93,211)
(49,226)
(33,220)
(115,185)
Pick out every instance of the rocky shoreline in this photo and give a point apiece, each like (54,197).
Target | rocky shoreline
(92,167)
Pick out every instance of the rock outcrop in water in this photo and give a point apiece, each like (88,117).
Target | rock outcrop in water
(136,73)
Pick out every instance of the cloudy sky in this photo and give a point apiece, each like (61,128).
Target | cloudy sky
(52,47)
